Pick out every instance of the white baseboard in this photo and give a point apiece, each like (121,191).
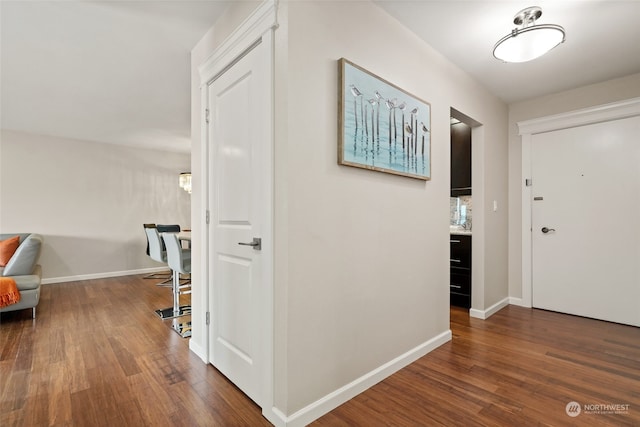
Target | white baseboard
(102,275)
(198,350)
(485,314)
(275,417)
(331,401)
(518,302)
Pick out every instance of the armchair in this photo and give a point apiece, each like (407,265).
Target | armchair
(23,267)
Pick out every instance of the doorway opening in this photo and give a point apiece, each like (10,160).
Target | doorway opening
(466,284)
(460,215)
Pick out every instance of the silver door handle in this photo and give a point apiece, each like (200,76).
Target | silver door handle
(545,230)
(256,243)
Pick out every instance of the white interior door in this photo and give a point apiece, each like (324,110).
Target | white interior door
(586,191)
(239,147)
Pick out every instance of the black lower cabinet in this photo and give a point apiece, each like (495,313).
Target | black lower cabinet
(460,267)
(459,300)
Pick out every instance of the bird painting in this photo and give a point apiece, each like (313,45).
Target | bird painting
(377,140)
(356,94)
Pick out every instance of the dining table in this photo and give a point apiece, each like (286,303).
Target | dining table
(185,236)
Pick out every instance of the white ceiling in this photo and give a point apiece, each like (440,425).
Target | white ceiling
(119,71)
(106,71)
(602,41)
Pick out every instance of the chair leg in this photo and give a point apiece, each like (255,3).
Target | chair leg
(176,293)
(158,276)
(184,282)
(166,278)
(185,279)
(182,328)
(167,282)
(33,312)
(176,310)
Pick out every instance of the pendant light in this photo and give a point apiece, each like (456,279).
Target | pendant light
(529,41)
(185,181)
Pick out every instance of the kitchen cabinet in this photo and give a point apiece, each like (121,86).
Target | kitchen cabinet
(460,159)
(460,270)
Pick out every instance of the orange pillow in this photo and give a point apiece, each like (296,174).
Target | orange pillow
(7,249)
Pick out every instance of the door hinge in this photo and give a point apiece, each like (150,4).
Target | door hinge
(528,182)
(206,115)
(207,216)
(207,317)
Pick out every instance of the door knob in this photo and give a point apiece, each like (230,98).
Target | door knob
(545,230)
(256,243)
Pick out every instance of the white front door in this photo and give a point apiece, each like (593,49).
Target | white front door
(585,224)
(239,141)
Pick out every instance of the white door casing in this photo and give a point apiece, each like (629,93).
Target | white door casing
(237,97)
(586,189)
(530,128)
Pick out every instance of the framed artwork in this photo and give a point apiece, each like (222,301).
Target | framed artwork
(382,127)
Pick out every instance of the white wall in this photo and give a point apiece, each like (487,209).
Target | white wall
(89,201)
(587,96)
(361,258)
(362,266)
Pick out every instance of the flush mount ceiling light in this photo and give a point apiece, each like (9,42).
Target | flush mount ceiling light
(529,41)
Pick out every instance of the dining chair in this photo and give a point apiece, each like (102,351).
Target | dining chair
(157,253)
(179,260)
(166,277)
(168,228)
(172,228)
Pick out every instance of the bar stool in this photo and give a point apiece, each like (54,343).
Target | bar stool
(179,260)
(168,228)
(157,256)
(157,253)
(173,228)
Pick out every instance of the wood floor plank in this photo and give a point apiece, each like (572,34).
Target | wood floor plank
(154,401)
(59,400)
(98,355)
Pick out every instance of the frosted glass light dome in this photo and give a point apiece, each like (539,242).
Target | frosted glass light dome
(530,41)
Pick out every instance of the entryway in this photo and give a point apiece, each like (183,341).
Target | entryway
(585,240)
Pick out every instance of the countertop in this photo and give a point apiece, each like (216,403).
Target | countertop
(459,231)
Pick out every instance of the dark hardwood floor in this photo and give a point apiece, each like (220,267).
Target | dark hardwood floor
(521,367)
(97,355)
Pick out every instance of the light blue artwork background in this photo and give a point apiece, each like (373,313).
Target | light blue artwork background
(380,130)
